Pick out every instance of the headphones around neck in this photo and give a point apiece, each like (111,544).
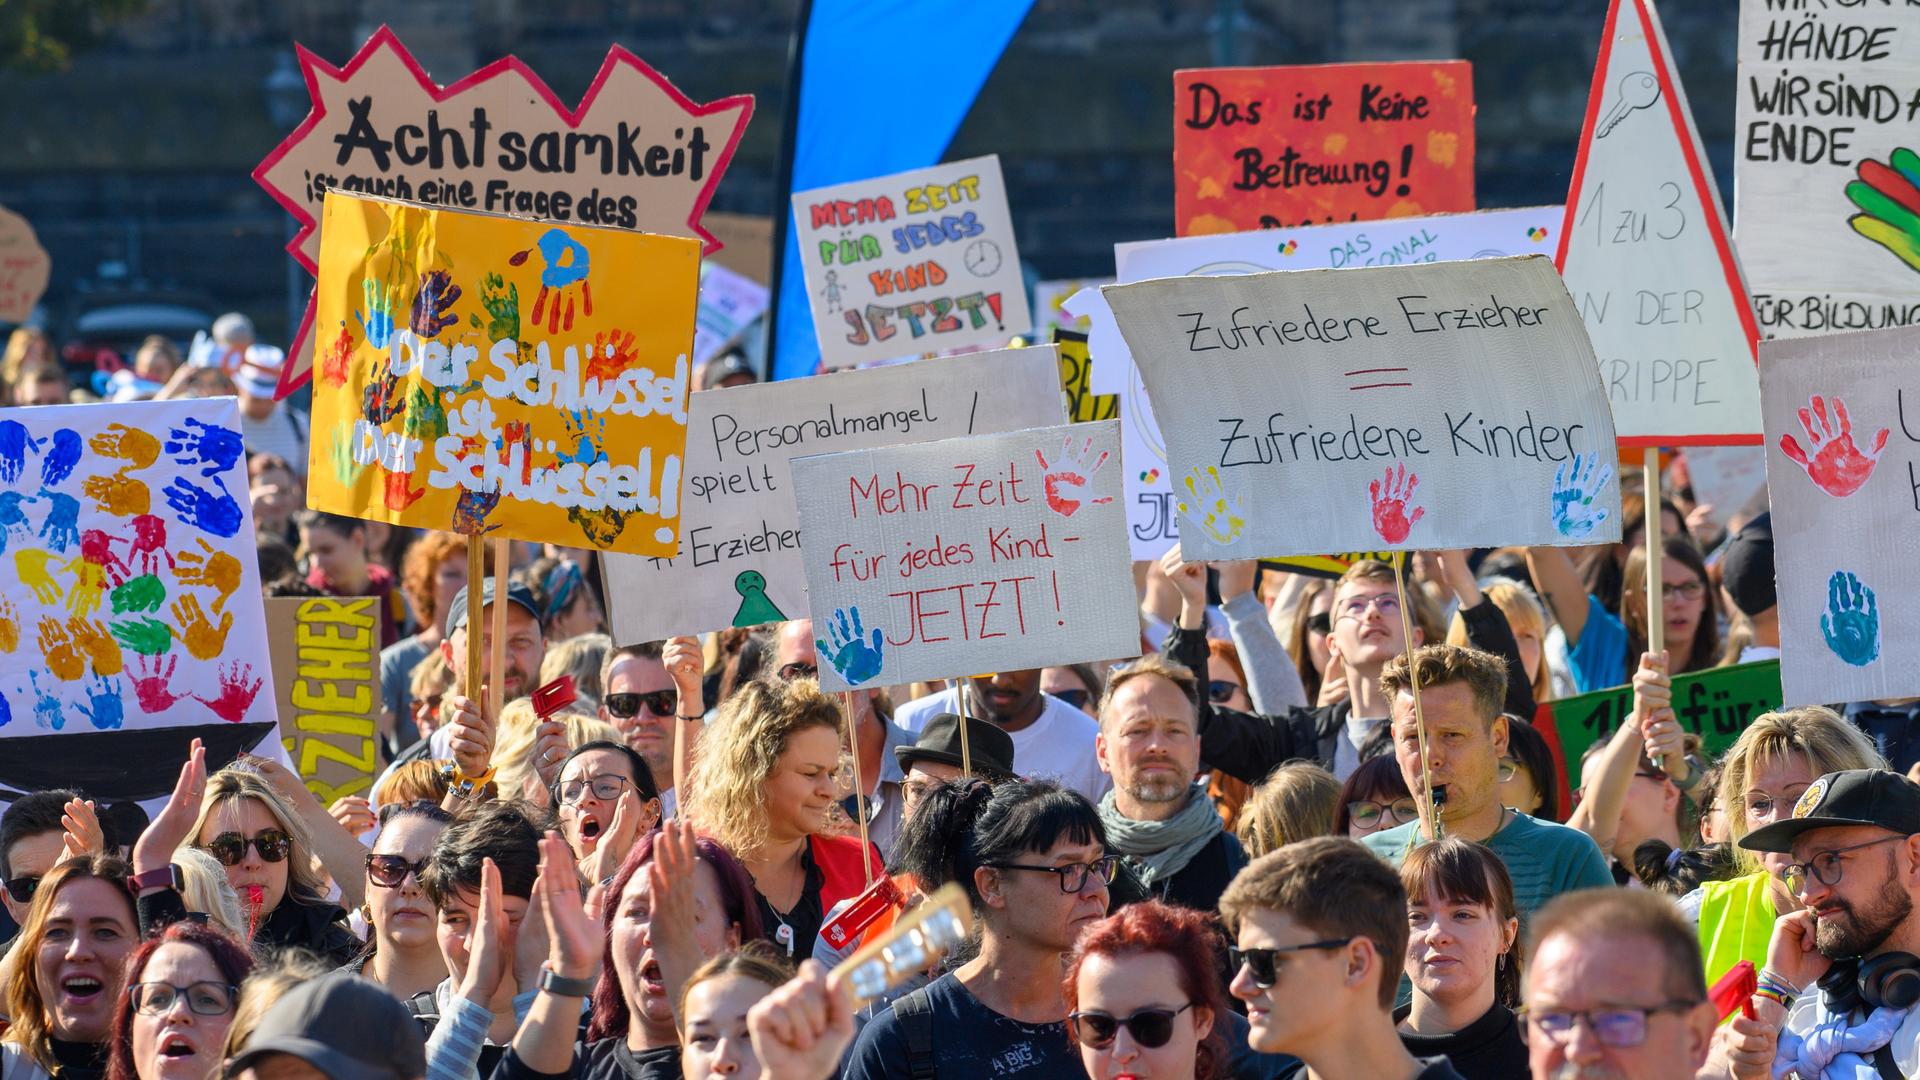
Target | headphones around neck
(1890,980)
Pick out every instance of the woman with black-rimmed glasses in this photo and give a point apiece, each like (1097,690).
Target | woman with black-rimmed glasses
(1144,998)
(1374,798)
(1032,858)
(402,952)
(182,986)
(605,797)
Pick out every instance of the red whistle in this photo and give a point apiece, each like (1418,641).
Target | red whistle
(860,914)
(1735,990)
(554,696)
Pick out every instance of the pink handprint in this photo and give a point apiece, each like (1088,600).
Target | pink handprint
(236,693)
(150,688)
(1837,466)
(1066,484)
(1390,517)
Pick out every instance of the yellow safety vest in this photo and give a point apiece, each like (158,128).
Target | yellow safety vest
(1736,922)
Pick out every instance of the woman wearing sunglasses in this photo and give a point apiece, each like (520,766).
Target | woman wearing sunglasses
(1076,684)
(182,985)
(1375,797)
(1463,958)
(1032,858)
(403,953)
(1143,996)
(69,964)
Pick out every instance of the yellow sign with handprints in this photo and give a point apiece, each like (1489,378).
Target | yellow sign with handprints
(487,374)
(1076,381)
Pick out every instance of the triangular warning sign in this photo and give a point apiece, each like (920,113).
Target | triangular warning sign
(1644,251)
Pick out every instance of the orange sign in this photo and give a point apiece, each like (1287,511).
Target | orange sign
(1276,147)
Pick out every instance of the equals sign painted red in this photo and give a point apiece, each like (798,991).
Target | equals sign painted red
(1375,372)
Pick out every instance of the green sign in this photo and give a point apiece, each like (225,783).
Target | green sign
(1716,704)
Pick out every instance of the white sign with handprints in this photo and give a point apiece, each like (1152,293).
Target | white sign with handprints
(1841,462)
(1397,408)
(975,554)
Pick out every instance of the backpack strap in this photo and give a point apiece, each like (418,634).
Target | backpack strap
(1883,1061)
(915,1014)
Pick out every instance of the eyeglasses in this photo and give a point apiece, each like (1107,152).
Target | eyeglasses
(1760,807)
(1386,604)
(230,848)
(798,670)
(627,706)
(1619,1027)
(606,787)
(204,998)
(1366,813)
(1321,622)
(1151,1028)
(1075,698)
(1220,691)
(1073,876)
(388,871)
(1263,964)
(1825,867)
(1509,769)
(22,888)
(1688,592)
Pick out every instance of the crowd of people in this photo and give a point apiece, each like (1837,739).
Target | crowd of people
(1311,830)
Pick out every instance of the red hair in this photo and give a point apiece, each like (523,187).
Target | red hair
(228,955)
(1188,937)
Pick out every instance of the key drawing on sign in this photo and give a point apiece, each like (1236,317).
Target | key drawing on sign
(1836,466)
(567,264)
(1851,624)
(1390,517)
(1638,89)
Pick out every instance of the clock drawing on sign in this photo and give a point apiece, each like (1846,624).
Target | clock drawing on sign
(983,258)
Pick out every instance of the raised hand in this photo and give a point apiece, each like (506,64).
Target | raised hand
(118,494)
(1574,487)
(94,639)
(15,443)
(31,565)
(144,593)
(1836,466)
(150,689)
(1390,517)
(62,525)
(46,706)
(61,458)
(105,706)
(470,734)
(686,665)
(803,1027)
(380,400)
(1066,483)
(567,265)
(1889,202)
(58,651)
(1189,579)
(236,693)
(490,949)
(433,303)
(610,847)
(218,514)
(216,569)
(81,834)
(1852,622)
(575,941)
(1208,505)
(212,448)
(354,814)
(376,322)
(502,302)
(137,448)
(174,823)
(849,652)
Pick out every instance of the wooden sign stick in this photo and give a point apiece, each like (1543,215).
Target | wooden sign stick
(1413,683)
(859,787)
(497,689)
(476,579)
(1656,542)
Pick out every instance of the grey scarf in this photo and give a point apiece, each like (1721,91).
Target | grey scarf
(1160,849)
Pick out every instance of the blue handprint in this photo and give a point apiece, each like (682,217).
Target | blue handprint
(6,711)
(14,444)
(46,707)
(59,462)
(216,514)
(377,321)
(13,520)
(1852,622)
(62,525)
(215,448)
(104,706)
(1574,488)
(850,654)
(587,448)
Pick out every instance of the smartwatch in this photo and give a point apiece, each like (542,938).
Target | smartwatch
(168,877)
(553,982)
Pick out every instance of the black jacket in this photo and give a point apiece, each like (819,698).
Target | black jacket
(1198,885)
(319,927)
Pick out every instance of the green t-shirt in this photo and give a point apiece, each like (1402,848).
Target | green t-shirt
(1544,858)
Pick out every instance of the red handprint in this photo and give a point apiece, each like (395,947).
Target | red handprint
(1390,517)
(1066,485)
(96,547)
(150,678)
(520,433)
(612,354)
(236,693)
(150,543)
(399,491)
(1837,466)
(337,359)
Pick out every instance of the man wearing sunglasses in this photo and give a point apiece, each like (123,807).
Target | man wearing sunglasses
(643,701)
(32,840)
(1320,934)
(795,656)
(1854,838)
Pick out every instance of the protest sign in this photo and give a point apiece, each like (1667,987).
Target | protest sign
(24,267)
(1151,519)
(1325,566)
(1826,181)
(746,243)
(1444,405)
(1716,704)
(929,252)
(636,154)
(740,559)
(982,553)
(1076,380)
(729,303)
(1725,479)
(1644,252)
(1049,298)
(326,663)
(1843,474)
(1275,147)
(445,400)
(130,610)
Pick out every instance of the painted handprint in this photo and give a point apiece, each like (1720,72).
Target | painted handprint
(150,678)
(1574,486)
(61,458)
(144,593)
(61,527)
(104,706)
(1390,517)
(209,447)
(203,639)
(613,353)
(236,693)
(588,431)
(426,414)
(601,527)
(433,303)
(502,301)
(470,512)
(210,513)
(92,637)
(1836,466)
(336,360)
(118,494)
(215,569)
(63,660)
(399,493)
(96,547)
(9,626)
(567,265)
(380,399)
(89,587)
(849,653)
(137,448)
(1888,195)
(1066,485)
(14,444)
(13,520)
(340,456)
(146,635)
(46,706)
(376,322)
(1208,505)
(150,543)
(33,567)
(1851,624)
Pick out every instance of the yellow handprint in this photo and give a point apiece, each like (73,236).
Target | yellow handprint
(138,447)
(97,642)
(118,494)
(55,646)
(1211,507)
(216,568)
(89,587)
(9,626)
(202,639)
(32,566)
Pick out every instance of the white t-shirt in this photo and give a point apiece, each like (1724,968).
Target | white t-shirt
(1058,746)
(283,432)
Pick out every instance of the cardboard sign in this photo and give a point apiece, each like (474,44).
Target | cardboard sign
(24,267)
(1151,518)
(1440,406)
(1049,305)
(1725,478)
(740,559)
(1716,704)
(965,555)
(916,262)
(1842,458)
(1644,252)
(1826,180)
(130,601)
(1274,147)
(326,659)
(636,154)
(728,305)
(485,374)
(1076,381)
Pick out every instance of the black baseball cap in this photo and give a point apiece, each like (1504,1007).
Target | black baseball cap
(346,1026)
(990,748)
(1874,797)
(517,594)
(1746,567)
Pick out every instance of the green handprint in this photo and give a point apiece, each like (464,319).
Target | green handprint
(503,309)
(377,321)
(146,636)
(144,593)
(340,456)
(1889,195)
(426,417)
(1208,505)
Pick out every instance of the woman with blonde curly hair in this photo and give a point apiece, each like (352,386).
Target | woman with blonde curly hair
(763,783)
